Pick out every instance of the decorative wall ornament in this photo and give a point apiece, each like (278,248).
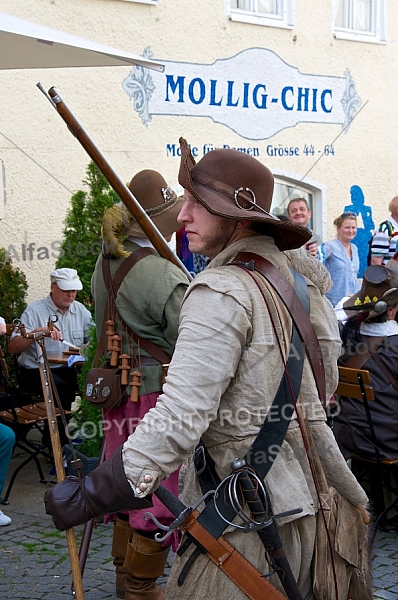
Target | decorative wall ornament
(350,100)
(255,93)
(139,86)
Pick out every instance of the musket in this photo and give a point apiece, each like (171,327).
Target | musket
(39,337)
(128,199)
(131,204)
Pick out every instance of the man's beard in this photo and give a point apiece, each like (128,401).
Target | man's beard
(211,243)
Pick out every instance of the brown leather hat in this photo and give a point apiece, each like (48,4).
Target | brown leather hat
(235,185)
(159,201)
(379,291)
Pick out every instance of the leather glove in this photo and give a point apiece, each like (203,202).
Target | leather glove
(105,490)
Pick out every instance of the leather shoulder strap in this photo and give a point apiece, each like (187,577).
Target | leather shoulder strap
(113,287)
(356,361)
(127,265)
(289,298)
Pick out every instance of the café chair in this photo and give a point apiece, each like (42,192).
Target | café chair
(356,384)
(24,413)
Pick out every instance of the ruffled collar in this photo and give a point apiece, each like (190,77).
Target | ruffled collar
(385,329)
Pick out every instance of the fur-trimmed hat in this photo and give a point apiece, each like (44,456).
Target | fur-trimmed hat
(379,291)
(160,203)
(234,185)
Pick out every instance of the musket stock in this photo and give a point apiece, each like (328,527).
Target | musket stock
(128,199)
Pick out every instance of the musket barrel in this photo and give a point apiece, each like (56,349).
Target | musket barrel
(128,199)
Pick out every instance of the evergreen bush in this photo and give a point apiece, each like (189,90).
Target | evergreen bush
(80,247)
(13,290)
(81,242)
(88,418)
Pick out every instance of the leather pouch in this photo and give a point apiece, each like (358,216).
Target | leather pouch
(104,388)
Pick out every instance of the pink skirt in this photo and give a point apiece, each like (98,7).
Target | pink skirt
(119,423)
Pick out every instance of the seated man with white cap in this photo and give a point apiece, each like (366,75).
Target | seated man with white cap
(71,328)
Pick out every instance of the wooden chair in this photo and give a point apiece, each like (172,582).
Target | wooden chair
(356,384)
(23,412)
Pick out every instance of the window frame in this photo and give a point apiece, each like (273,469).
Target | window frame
(314,191)
(378,36)
(142,1)
(286,22)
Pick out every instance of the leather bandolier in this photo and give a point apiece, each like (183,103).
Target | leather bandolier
(157,356)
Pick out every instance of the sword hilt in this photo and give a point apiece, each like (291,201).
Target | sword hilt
(268,532)
(251,493)
(175,506)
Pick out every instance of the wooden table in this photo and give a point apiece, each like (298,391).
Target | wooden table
(62,359)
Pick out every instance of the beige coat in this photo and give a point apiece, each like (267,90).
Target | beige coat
(224,375)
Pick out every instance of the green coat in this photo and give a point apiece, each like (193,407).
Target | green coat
(149,300)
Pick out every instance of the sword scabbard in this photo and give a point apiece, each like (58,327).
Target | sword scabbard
(231,562)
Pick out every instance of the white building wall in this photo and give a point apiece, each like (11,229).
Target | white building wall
(44,165)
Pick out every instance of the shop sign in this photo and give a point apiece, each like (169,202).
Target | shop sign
(254,93)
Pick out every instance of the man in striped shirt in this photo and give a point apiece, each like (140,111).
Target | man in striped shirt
(385,239)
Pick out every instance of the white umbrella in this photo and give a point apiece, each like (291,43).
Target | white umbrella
(28,45)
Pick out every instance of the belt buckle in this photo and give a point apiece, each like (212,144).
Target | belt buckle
(199,459)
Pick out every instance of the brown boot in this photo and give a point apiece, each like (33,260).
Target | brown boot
(144,563)
(122,533)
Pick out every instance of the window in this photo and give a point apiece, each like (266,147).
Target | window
(284,192)
(288,186)
(361,20)
(273,13)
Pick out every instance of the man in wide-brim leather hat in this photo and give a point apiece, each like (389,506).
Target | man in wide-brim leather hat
(370,342)
(226,369)
(230,184)
(379,291)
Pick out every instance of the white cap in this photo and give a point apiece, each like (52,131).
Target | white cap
(66,279)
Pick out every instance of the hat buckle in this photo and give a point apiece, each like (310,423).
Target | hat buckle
(380,307)
(168,194)
(251,202)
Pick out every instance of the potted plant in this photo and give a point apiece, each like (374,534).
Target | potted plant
(79,250)
(86,424)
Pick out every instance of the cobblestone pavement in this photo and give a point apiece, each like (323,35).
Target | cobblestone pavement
(34,561)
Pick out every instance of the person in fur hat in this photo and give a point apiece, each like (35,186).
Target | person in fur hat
(226,369)
(148,300)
